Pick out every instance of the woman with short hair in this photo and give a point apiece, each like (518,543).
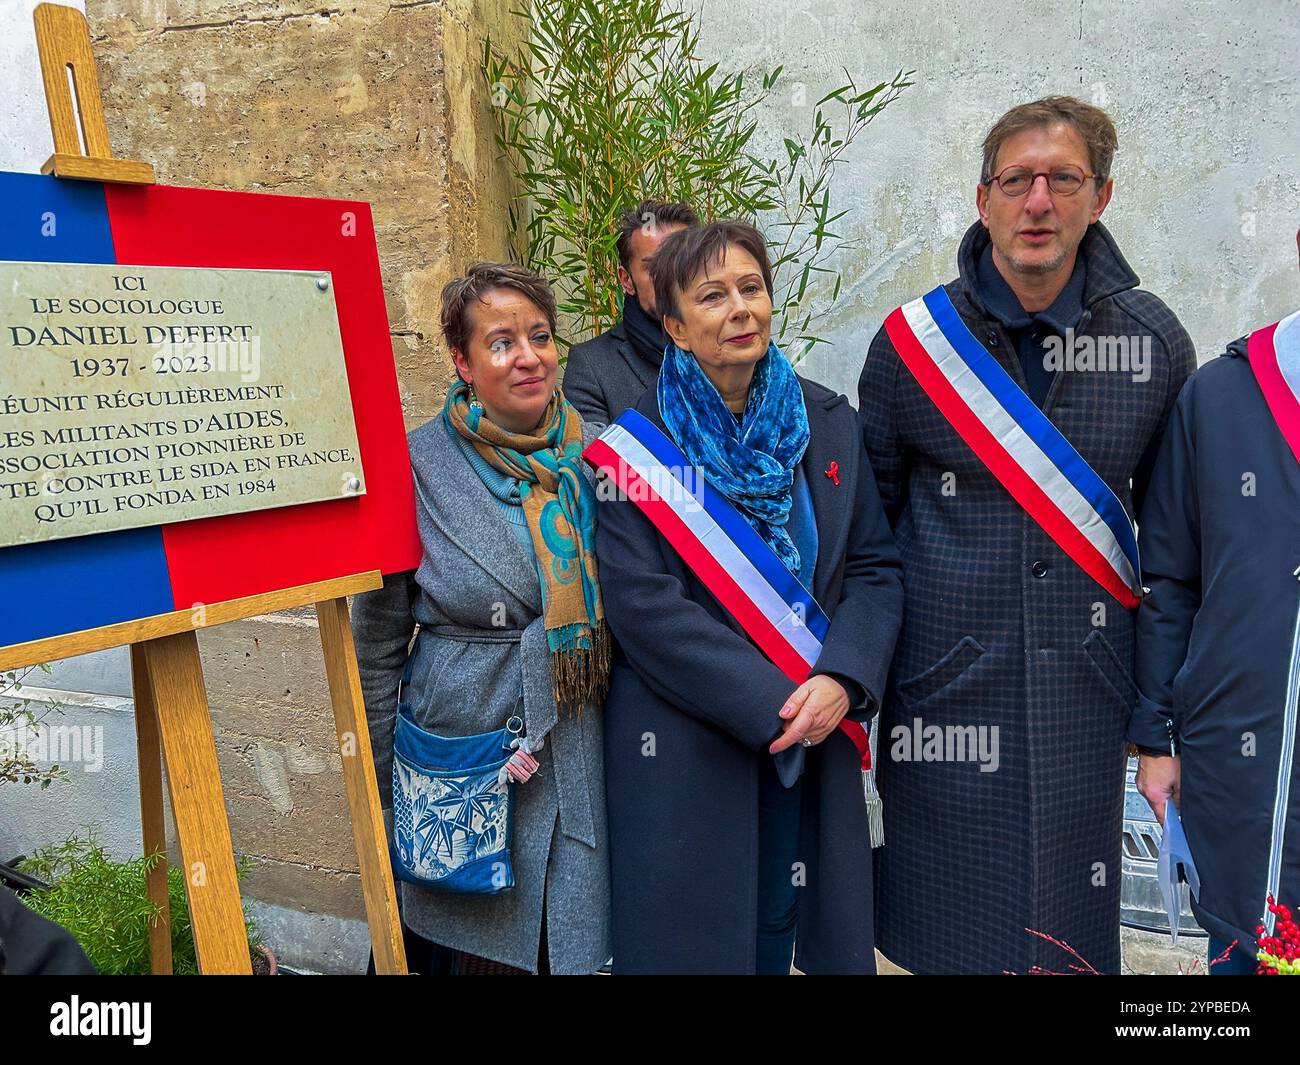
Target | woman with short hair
(738,827)
(500,628)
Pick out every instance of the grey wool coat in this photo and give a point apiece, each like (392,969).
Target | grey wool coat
(1001,630)
(481,656)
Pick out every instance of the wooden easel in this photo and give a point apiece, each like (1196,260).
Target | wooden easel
(173,721)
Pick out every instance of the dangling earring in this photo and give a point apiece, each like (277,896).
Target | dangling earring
(473,396)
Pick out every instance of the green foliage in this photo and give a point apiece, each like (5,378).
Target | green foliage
(105,906)
(606,104)
(17,719)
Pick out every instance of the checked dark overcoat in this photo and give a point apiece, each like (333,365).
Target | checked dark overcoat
(683,813)
(1002,630)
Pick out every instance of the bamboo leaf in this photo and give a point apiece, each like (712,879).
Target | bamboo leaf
(604,104)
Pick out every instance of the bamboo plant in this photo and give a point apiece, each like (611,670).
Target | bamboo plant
(606,104)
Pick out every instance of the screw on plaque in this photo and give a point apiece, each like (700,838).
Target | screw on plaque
(323,283)
(352,484)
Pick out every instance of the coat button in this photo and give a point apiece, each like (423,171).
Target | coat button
(993,340)
(1039,569)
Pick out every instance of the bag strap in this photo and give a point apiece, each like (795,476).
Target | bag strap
(514,723)
(410,664)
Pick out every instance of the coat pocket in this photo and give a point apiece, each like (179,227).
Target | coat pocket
(1112,670)
(951,666)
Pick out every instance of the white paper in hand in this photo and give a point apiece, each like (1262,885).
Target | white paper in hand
(1174,852)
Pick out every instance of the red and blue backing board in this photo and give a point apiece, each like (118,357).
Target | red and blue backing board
(63,586)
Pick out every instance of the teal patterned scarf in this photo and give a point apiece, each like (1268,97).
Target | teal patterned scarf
(560,509)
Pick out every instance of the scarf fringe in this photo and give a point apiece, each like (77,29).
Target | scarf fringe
(581,674)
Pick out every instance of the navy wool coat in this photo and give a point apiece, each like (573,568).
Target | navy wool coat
(605,375)
(1219,642)
(1001,630)
(693,707)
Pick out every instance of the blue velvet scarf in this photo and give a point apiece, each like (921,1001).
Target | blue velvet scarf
(751,462)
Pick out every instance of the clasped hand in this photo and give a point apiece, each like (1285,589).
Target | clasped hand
(813,712)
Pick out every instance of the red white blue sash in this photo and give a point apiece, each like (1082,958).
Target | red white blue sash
(1018,443)
(737,566)
(1274,354)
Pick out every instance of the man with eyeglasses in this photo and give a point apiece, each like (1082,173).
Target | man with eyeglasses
(1012,418)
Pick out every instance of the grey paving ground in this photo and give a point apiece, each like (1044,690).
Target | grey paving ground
(1144,953)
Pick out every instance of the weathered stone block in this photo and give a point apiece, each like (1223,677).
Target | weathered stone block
(304,887)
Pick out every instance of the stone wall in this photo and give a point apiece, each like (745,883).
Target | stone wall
(363,99)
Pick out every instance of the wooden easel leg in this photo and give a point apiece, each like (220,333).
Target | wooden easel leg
(363,793)
(175,676)
(149,757)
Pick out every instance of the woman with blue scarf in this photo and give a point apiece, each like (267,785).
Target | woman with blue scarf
(500,631)
(739,836)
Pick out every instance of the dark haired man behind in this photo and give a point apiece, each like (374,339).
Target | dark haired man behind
(607,374)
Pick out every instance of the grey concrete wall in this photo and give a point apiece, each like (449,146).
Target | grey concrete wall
(1205,95)
(25,141)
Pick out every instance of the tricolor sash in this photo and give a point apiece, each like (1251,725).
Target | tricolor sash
(736,565)
(1018,443)
(1274,353)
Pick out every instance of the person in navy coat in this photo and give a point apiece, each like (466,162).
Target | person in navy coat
(1218,641)
(738,827)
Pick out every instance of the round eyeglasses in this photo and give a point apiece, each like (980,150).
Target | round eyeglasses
(1018,180)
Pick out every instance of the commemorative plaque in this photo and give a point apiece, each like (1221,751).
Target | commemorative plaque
(181,446)
(144,395)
